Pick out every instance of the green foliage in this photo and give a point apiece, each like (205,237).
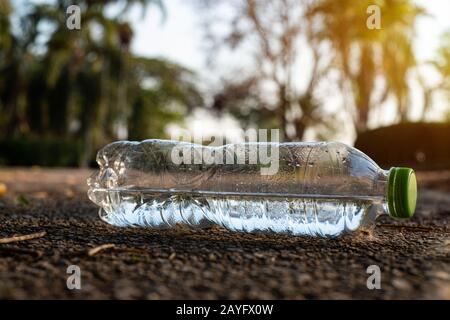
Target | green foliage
(169,93)
(84,85)
(42,151)
(142,126)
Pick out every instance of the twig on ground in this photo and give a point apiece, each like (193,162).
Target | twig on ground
(23,238)
(94,251)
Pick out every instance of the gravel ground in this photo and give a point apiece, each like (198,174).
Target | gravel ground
(414,255)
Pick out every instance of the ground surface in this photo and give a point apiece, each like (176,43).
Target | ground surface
(414,256)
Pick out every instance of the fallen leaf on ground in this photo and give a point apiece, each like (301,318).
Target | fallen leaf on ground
(3,189)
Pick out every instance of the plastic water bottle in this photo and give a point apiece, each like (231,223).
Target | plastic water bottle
(317,189)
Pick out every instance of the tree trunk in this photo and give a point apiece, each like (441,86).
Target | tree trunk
(283,105)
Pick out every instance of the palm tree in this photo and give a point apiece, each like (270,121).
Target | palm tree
(86,85)
(363,54)
(171,95)
(442,65)
(96,66)
(11,71)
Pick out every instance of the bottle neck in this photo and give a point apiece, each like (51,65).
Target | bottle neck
(381,188)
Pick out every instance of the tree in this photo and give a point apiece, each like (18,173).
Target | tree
(441,64)
(169,95)
(363,55)
(11,69)
(93,66)
(274,29)
(85,84)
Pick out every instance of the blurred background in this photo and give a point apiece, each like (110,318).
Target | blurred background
(141,69)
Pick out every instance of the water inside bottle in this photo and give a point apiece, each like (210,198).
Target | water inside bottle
(309,214)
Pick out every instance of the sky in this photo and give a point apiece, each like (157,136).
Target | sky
(177,37)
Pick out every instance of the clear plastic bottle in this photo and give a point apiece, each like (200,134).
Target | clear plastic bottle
(320,189)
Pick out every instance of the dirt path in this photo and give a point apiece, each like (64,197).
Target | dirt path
(414,256)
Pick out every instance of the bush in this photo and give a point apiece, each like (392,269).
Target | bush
(417,145)
(41,151)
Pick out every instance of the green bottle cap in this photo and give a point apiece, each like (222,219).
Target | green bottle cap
(402,192)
